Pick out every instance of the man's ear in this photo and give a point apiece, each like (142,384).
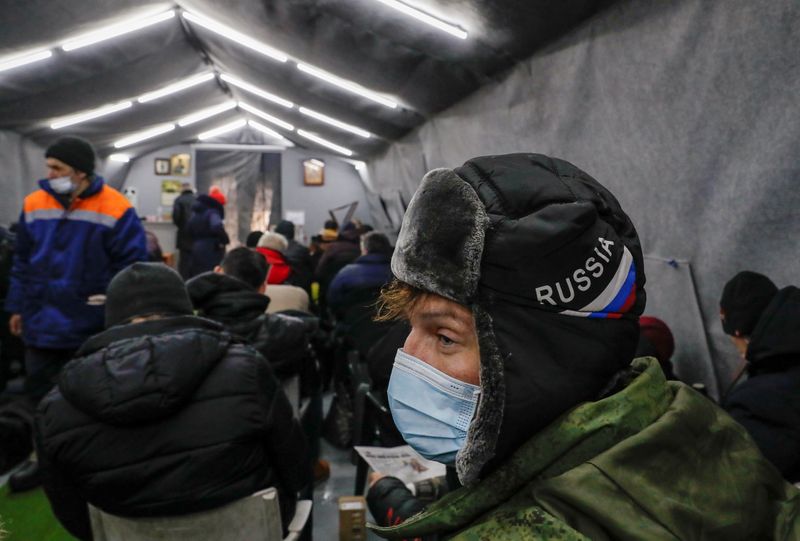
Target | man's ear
(219,270)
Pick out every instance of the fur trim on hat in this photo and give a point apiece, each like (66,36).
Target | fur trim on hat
(273,241)
(440,244)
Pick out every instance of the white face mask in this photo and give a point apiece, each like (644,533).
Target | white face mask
(62,185)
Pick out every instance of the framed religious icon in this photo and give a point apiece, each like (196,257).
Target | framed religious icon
(180,164)
(162,166)
(313,172)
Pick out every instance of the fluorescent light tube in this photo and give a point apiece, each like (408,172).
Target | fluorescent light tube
(144,134)
(115,30)
(268,131)
(175,87)
(325,142)
(90,115)
(426,18)
(347,85)
(269,118)
(122,158)
(20,59)
(333,122)
(257,91)
(225,128)
(206,113)
(234,35)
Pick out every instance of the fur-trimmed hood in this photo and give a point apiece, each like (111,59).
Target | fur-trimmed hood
(552,270)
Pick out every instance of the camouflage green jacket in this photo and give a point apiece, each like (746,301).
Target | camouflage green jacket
(654,461)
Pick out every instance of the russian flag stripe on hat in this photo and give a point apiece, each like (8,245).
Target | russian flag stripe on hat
(618,296)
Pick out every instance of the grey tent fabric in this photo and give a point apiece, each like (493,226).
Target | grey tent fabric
(686,110)
(23,164)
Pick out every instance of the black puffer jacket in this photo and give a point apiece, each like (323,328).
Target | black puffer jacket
(166,417)
(282,339)
(768,404)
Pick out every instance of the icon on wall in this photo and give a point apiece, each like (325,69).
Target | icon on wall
(180,164)
(162,166)
(313,172)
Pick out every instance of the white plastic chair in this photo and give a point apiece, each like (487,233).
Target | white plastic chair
(255,518)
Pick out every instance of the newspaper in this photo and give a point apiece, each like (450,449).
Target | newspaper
(401,462)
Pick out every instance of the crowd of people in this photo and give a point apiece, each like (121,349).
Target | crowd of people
(504,331)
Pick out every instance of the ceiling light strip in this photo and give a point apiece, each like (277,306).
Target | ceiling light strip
(347,85)
(144,135)
(21,59)
(121,158)
(333,122)
(208,112)
(325,142)
(90,115)
(175,87)
(268,131)
(247,87)
(426,18)
(116,30)
(264,116)
(234,35)
(225,128)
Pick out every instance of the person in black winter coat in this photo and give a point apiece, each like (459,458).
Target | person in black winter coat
(164,414)
(207,231)
(181,212)
(764,324)
(234,295)
(354,292)
(298,257)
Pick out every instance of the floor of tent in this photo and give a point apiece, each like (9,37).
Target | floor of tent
(27,516)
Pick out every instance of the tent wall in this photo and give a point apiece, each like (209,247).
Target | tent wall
(23,164)
(686,110)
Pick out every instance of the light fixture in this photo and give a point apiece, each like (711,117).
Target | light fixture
(426,18)
(269,118)
(225,128)
(149,133)
(268,131)
(116,30)
(333,122)
(175,87)
(325,142)
(234,35)
(347,85)
(90,115)
(122,158)
(20,59)
(257,91)
(206,113)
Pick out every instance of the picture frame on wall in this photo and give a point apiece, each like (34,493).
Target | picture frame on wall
(180,165)
(313,172)
(161,166)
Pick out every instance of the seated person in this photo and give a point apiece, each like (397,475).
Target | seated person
(298,257)
(233,294)
(338,253)
(164,414)
(656,340)
(355,289)
(271,246)
(252,239)
(523,280)
(764,325)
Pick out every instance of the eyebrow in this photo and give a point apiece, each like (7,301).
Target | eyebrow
(441,314)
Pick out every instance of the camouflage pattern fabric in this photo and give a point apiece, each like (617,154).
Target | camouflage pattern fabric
(654,461)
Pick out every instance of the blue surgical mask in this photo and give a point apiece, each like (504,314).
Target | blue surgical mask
(430,409)
(62,185)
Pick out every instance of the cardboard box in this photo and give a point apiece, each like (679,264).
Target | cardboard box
(352,518)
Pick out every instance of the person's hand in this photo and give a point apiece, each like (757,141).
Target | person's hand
(15,324)
(374,477)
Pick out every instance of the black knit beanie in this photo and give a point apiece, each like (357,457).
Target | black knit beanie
(145,289)
(744,299)
(76,152)
(285,228)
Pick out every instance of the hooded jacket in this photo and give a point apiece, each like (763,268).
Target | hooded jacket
(279,269)
(166,417)
(281,339)
(768,403)
(64,256)
(207,231)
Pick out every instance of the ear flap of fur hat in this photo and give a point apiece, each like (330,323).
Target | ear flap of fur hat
(440,244)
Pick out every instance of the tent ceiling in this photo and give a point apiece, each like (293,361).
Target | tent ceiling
(363,41)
